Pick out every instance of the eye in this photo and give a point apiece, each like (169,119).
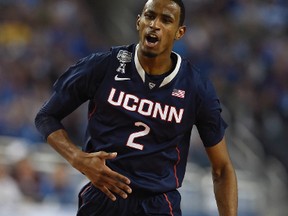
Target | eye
(149,16)
(167,19)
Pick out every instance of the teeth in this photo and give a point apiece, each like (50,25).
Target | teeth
(152,38)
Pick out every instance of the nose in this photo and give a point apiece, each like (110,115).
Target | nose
(154,24)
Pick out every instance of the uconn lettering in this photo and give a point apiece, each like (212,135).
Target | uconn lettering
(145,107)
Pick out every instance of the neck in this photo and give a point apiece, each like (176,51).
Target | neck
(155,65)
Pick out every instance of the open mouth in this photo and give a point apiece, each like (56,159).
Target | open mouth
(152,39)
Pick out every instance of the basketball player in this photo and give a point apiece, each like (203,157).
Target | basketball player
(143,102)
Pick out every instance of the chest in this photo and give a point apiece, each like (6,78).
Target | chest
(127,96)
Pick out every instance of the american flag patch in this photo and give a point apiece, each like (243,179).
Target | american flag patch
(178,93)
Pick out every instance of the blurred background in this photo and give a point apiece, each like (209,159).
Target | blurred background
(241,44)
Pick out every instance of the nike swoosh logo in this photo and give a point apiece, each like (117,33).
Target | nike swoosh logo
(121,78)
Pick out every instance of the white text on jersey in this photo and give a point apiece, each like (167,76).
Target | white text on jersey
(145,107)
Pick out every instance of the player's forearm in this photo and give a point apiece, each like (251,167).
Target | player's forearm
(60,141)
(226,193)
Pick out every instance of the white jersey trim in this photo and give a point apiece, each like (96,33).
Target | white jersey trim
(167,79)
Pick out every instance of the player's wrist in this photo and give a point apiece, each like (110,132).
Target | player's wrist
(77,158)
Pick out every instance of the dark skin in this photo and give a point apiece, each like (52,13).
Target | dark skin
(224,179)
(160,21)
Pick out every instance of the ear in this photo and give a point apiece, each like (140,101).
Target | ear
(137,22)
(180,32)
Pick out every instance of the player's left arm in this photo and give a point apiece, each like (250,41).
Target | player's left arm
(224,179)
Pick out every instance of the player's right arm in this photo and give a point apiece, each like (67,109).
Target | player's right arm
(48,123)
(77,85)
(92,165)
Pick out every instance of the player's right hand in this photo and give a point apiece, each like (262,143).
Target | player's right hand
(93,165)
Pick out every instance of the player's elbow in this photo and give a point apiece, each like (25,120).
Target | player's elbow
(222,172)
(46,124)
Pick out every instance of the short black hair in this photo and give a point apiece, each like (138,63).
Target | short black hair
(182,11)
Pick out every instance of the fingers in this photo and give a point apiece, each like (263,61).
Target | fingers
(120,177)
(108,193)
(108,181)
(121,185)
(114,184)
(112,187)
(116,190)
(104,155)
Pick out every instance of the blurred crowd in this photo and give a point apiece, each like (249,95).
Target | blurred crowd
(38,40)
(241,44)
(21,181)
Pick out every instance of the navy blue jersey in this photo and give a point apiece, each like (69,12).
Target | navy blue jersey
(146,119)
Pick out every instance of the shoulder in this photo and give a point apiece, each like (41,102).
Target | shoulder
(191,72)
(105,56)
(185,65)
(200,80)
(93,59)
(84,70)
(123,53)
(129,48)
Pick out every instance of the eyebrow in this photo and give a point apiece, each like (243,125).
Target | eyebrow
(165,15)
(168,16)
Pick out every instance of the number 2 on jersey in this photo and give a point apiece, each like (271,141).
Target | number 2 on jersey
(141,133)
